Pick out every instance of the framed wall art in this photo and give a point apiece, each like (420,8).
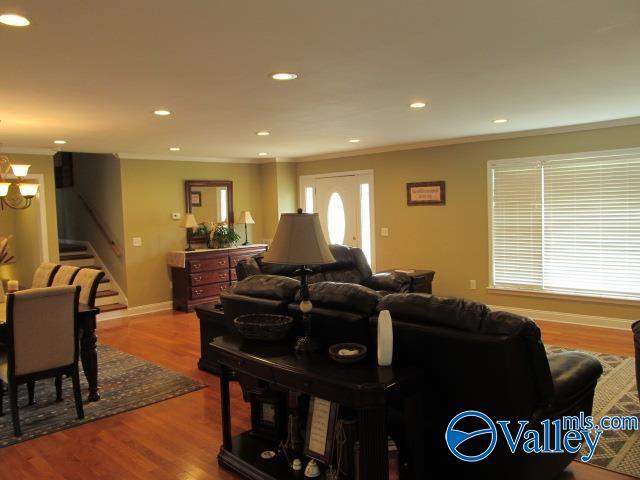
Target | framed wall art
(426,193)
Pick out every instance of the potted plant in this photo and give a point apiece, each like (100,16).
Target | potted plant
(222,235)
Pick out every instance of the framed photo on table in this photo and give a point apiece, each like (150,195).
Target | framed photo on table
(321,423)
(426,193)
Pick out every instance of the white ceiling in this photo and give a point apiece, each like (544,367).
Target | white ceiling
(91,72)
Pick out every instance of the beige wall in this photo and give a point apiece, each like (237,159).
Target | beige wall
(280,190)
(453,239)
(152,190)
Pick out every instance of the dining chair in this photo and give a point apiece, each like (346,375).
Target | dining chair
(88,279)
(42,342)
(65,275)
(43,276)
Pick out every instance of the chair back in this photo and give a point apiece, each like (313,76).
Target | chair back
(88,280)
(43,276)
(64,275)
(42,329)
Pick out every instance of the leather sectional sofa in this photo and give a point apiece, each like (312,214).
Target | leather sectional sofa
(473,359)
(351,266)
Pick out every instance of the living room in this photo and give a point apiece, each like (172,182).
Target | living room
(432,138)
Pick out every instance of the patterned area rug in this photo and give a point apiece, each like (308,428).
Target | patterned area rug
(126,383)
(616,394)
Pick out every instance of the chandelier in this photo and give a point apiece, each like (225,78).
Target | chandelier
(15,192)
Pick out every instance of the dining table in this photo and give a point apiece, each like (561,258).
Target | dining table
(87,322)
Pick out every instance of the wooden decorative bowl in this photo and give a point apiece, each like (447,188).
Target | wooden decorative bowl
(356,352)
(269,328)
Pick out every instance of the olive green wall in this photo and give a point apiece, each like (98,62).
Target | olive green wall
(280,189)
(151,191)
(7,228)
(453,239)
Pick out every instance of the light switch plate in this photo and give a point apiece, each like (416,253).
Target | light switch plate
(384,231)
(176,216)
(137,241)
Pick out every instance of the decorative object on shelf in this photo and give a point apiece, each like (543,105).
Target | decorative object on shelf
(15,192)
(196,199)
(347,352)
(270,328)
(299,241)
(246,219)
(385,339)
(296,466)
(426,193)
(312,470)
(189,223)
(268,455)
(268,414)
(340,442)
(222,235)
(294,441)
(321,423)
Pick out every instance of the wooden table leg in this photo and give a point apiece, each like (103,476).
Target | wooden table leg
(414,435)
(89,357)
(225,401)
(374,454)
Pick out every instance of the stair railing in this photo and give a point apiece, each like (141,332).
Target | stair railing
(103,229)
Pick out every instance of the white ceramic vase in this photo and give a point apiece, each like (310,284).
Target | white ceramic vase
(385,339)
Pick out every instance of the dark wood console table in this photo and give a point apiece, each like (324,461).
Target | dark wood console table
(363,386)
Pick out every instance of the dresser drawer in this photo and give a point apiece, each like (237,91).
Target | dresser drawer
(234,275)
(209,277)
(211,290)
(208,264)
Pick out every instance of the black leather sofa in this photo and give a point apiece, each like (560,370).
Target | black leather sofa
(473,359)
(636,341)
(351,266)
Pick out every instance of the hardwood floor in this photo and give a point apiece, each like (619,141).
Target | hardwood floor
(180,438)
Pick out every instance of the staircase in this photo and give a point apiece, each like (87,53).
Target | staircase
(77,254)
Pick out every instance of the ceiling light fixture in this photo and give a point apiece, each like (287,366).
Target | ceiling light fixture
(174,149)
(418,105)
(162,113)
(263,133)
(263,154)
(354,140)
(500,120)
(14,20)
(283,76)
(59,142)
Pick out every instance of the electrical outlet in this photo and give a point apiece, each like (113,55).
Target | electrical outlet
(384,232)
(176,216)
(472,284)
(137,241)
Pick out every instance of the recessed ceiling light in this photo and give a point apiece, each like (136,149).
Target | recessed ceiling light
(500,120)
(60,142)
(14,20)
(263,154)
(174,149)
(418,105)
(161,112)
(284,76)
(263,133)
(354,140)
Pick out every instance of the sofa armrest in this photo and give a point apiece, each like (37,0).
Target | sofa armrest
(247,267)
(573,374)
(396,282)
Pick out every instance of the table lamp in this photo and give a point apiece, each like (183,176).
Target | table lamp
(247,219)
(299,241)
(189,222)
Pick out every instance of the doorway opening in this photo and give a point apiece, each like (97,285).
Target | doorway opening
(344,203)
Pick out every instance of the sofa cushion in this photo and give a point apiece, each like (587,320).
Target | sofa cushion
(572,373)
(423,308)
(275,287)
(346,296)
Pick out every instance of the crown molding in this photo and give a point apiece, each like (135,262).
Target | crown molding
(27,151)
(186,158)
(471,139)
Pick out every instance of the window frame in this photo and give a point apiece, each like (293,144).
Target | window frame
(542,293)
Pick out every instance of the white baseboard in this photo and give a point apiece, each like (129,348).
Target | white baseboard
(133,311)
(574,318)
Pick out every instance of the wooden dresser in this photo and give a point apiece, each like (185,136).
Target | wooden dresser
(201,275)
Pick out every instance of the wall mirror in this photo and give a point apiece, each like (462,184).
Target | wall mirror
(210,201)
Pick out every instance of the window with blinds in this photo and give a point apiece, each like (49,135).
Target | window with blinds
(567,225)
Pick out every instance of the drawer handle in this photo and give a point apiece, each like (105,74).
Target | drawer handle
(199,291)
(222,262)
(196,266)
(198,278)
(224,287)
(223,275)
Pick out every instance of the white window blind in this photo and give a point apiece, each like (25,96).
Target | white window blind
(567,225)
